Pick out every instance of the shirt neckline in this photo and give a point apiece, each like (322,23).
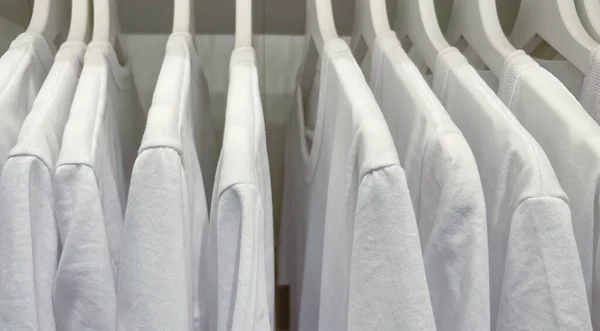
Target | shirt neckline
(121,73)
(311,156)
(40,46)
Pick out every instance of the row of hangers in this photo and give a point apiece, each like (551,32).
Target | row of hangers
(49,16)
(557,22)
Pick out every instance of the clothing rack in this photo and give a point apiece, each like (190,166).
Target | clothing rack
(279,42)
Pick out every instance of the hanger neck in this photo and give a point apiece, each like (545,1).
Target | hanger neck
(107,27)
(418,21)
(557,23)
(370,20)
(81,21)
(320,29)
(589,12)
(320,26)
(183,16)
(48,19)
(243,23)
(477,22)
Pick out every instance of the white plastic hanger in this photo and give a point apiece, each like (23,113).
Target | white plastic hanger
(107,27)
(243,23)
(370,20)
(589,13)
(320,26)
(106,21)
(183,17)
(80,29)
(477,22)
(48,18)
(417,20)
(556,22)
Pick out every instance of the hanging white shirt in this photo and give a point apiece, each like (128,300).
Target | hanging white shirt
(241,258)
(570,139)
(99,147)
(23,69)
(167,216)
(347,211)
(444,185)
(535,275)
(585,86)
(29,245)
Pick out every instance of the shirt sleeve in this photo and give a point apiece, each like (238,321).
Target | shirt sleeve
(542,285)
(388,288)
(238,279)
(154,288)
(85,289)
(453,227)
(28,245)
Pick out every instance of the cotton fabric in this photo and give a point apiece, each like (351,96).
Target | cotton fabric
(590,94)
(347,211)
(444,185)
(570,138)
(585,86)
(536,280)
(241,257)
(29,245)
(99,147)
(167,216)
(23,69)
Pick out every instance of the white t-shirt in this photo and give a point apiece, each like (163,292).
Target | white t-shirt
(347,211)
(23,69)
(535,275)
(99,146)
(444,185)
(29,237)
(585,86)
(241,278)
(570,139)
(167,213)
